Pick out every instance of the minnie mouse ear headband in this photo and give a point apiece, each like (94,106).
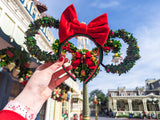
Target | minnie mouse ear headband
(97,31)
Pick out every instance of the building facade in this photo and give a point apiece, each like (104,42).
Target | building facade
(15,17)
(135,101)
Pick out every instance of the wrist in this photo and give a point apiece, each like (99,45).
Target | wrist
(31,99)
(20,109)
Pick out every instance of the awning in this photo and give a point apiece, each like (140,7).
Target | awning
(40,6)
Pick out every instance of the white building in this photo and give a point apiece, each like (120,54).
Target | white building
(15,17)
(136,100)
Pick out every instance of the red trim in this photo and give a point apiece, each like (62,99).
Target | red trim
(10,115)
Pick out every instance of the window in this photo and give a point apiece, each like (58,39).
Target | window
(123,94)
(22,1)
(133,94)
(152,86)
(64,107)
(113,94)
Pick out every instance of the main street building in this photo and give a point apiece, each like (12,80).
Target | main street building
(15,17)
(135,101)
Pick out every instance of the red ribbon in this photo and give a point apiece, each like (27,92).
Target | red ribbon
(79,59)
(106,48)
(69,25)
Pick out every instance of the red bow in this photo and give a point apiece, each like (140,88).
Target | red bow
(69,25)
(79,59)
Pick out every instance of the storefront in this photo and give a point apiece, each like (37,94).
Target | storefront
(15,16)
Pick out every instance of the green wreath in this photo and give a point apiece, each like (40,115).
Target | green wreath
(31,42)
(132,52)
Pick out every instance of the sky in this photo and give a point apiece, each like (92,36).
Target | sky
(140,17)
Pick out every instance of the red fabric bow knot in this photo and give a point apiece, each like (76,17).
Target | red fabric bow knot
(69,25)
(79,59)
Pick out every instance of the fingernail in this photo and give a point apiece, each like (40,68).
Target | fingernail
(66,60)
(61,58)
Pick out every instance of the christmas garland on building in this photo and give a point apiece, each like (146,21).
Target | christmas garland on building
(16,61)
(132,52)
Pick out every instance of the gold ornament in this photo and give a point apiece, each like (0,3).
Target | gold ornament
(111,41)
(115,45)
(92,58)
(21,80)
(63,53)
(83,72)
(84,56)
(116,54)
(11,66)
(16,71)
(2,56)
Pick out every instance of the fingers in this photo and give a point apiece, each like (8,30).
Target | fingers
(54,83)
(60,72)
(45,65)
(61,80)
(52,68)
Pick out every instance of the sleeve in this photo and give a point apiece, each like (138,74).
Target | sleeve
(17,111)
(10,115)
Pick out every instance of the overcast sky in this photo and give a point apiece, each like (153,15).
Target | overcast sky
(140,17)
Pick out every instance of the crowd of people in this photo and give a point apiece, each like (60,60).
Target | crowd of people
(74,117)
(142,114)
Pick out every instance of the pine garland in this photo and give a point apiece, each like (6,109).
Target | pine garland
(31,42)
(132,52)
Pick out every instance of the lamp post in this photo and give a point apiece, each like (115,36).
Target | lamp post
(96,102)
(86,115)
(154,102)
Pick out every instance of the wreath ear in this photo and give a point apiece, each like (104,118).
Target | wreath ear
(31,43)
(132,51)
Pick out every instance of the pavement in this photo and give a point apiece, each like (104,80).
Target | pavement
(108,118)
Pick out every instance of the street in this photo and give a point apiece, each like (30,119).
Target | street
(108,118)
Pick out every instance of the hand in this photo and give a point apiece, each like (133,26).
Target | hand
(42,83)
